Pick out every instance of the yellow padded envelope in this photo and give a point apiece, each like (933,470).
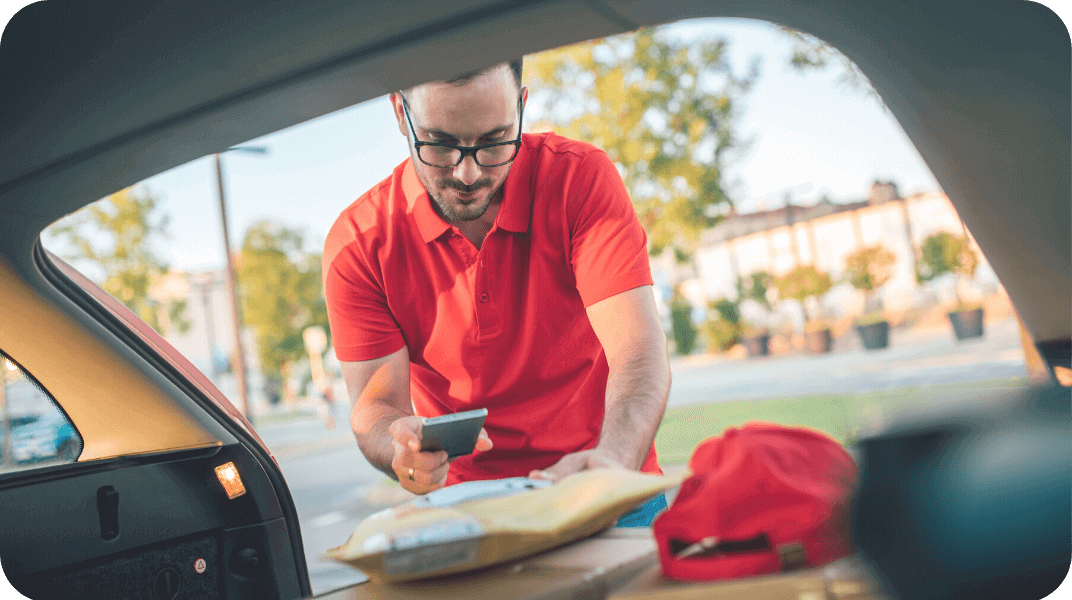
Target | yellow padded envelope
(421,539)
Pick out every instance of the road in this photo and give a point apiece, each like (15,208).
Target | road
(334,487)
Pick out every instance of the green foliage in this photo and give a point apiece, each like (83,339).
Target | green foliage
(870,268)
(755,286)
(943,253)
(129,224)
(280,289)
(810,52)
(681,322)
(727,310)
(802,283)
(665,112)
(723,327)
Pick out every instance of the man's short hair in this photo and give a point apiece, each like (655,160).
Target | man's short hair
(515,68)
(460,80)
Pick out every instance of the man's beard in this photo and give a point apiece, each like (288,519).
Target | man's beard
(454,211)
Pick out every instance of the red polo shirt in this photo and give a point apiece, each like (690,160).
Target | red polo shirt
(503,327)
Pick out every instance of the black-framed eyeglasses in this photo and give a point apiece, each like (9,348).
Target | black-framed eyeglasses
(449,155)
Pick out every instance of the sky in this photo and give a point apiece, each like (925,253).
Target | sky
(808,134)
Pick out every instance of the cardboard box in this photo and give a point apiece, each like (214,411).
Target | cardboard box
(587,569)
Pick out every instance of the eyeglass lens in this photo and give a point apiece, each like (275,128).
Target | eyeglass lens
(442,156)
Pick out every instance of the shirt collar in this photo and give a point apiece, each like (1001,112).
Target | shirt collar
(430,224)
(515,213)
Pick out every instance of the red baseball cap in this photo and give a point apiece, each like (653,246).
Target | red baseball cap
(762,499)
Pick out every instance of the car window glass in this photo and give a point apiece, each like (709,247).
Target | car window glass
(34,432)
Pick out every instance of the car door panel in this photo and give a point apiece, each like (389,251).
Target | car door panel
(137,512)
(55,540)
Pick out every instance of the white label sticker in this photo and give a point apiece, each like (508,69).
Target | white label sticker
(428,559)
(200,565)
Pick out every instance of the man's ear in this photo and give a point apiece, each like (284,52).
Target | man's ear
(400,115)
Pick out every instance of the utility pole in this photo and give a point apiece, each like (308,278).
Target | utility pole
(239,364)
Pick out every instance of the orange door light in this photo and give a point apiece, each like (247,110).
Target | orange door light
(227,473)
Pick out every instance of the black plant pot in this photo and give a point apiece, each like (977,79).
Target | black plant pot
(757,345)
(967,324)
(818,342)
(875,335)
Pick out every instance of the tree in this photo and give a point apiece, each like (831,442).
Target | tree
(802,283)
(681,323)
(280,289)
(663,110)
(723,326)
(943,253)
(809,52)
(868,269)
(756,287)
(126,264)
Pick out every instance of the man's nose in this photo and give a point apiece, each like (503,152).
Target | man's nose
(467,171)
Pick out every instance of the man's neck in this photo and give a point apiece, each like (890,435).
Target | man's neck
(477,229)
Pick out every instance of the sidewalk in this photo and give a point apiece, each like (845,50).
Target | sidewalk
(915,357)
(303,432)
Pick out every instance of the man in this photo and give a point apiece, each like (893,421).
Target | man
(496,270)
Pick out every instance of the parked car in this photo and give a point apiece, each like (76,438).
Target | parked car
(13,425)
(97,96)
(48,436)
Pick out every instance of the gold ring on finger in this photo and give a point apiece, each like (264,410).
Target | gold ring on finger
(411,474)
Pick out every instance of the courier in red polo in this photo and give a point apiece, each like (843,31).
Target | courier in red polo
(516,319)
(502,327)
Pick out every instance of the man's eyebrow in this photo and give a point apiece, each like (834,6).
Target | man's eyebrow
(451,136)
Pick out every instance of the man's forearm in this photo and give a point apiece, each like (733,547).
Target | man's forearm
(637,390)
(371,426)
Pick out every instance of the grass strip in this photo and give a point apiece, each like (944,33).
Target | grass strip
(840,416)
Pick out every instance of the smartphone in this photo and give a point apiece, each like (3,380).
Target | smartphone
(455,433)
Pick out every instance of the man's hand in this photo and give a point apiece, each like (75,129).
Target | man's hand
(577,462)
(421,472)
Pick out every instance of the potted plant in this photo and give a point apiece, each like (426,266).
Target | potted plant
(756,337)
(868,269)
(681,323)
(800,284)
(723,326)
(943,253)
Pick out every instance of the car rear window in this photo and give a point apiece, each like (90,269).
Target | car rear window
(34,431)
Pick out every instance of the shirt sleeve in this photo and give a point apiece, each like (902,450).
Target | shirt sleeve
(609,248)
(362,326)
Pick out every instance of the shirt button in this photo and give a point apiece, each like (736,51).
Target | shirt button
(483,297)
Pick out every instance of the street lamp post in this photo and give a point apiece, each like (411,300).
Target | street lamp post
(239,365)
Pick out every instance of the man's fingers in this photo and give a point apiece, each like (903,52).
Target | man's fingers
(428,461)
(439,476)
(483,442)
(570,463)
(407,431)
(573,463)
